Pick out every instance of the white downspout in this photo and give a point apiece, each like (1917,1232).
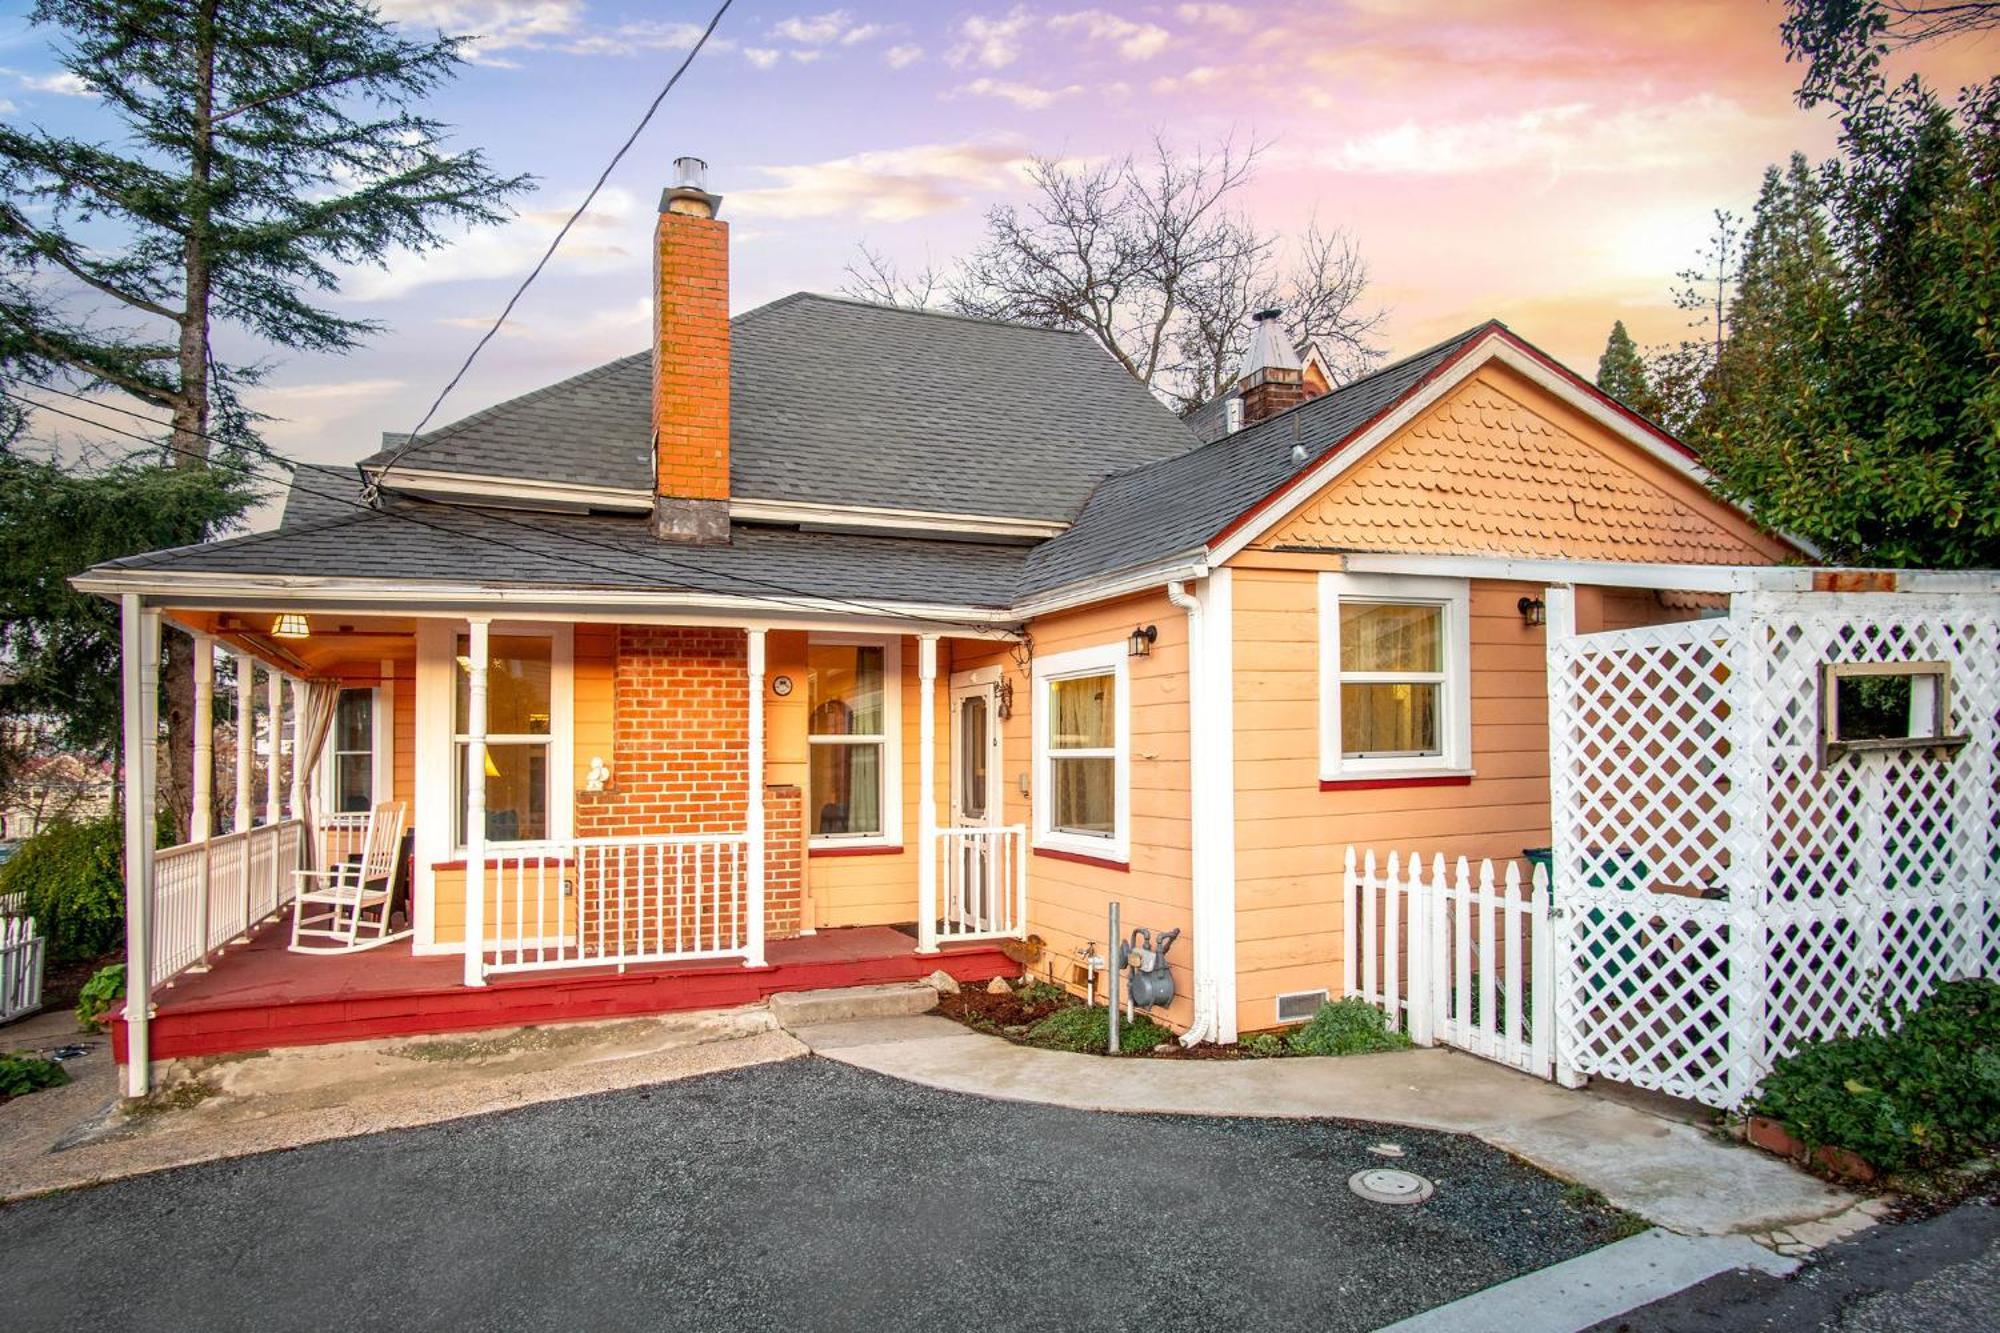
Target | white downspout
(1204,1025)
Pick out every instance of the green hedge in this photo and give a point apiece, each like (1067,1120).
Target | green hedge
(71,877)
(1923,1093)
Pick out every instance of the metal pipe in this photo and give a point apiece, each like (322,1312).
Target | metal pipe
(1114,961)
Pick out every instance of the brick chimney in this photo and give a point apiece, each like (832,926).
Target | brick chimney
(691,361)
(1271,377)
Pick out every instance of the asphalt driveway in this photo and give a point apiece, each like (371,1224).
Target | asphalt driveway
(801,1194)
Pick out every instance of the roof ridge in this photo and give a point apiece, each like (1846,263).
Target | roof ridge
(891,307)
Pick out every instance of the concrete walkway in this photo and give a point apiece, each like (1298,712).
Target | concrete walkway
(1675,1175)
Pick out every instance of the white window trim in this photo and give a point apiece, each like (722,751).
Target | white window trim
(1455,701)
(1112,657)
(892,744)
(381,741)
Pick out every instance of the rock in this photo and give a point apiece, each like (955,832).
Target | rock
(943,982)
(998,986)
(1165,1048)
(1015,1028)
(1386,1149)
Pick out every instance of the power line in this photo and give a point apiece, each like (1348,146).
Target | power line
(374,487)
(817,603)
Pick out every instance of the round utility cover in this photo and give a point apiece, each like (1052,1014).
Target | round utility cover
(1381,1184)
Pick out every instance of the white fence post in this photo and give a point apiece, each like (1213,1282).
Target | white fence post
(22,957)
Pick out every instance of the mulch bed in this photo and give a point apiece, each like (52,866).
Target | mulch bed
(1010,1016)
(63,982)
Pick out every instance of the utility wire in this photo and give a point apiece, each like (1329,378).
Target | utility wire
(374,487)
(817,603)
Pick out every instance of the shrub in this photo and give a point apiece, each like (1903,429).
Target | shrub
(1924,1093)
(23,1074)
(1347,1027)
(1262,1045)
(1088,1028)
(105,988)
(73,886)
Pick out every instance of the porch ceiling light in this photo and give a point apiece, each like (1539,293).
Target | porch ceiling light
(1533,611)
(1141,642)
(291,625)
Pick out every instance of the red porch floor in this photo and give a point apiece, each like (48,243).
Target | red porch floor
(259,995)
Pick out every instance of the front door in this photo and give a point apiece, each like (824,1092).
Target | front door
(971,848)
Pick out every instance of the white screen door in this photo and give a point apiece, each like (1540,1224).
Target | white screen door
(971,848)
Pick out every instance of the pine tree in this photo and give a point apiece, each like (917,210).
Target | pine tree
(266,144)
(1621,372)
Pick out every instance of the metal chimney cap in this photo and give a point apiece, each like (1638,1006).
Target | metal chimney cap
(1263,316)
(688,196)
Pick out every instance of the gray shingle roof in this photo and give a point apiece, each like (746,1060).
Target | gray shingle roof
(834,401)
(415,541)
(1134,518)
(1153,513)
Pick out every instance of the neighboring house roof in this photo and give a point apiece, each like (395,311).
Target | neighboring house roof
(834,401)
(1151,513)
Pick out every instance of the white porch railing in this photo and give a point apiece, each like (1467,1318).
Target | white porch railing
(590,902)
(22,953)
(982,882)
(207,893)
(1464,958)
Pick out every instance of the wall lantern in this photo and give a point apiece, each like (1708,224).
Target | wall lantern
(1533,612)
(291,625)
(1141,642)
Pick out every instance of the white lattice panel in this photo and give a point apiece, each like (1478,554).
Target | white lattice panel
(1721,894)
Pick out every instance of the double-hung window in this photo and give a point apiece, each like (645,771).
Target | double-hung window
(851,698)
(350,781)
(1083,750)
(519,737)
(1394,680)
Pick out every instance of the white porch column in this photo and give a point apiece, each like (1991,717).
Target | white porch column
(927,888)
(753,821)
(201,818)
(274,704)
(1559,621)
(246,725)
(298,789)
(140,654)
(475,804)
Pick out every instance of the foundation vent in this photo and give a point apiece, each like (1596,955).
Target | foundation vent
(1300,1005)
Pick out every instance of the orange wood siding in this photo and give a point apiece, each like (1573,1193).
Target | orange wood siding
(1068,901)
(1502,467)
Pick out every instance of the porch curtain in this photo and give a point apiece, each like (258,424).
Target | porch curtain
(315,726)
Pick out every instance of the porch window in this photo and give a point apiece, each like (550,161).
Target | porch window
(351,786)
(1394,684)
(850,731)
(1082,751)
(519,678)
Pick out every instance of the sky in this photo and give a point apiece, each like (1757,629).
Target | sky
(1551,163)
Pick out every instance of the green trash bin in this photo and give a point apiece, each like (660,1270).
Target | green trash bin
(1611,969)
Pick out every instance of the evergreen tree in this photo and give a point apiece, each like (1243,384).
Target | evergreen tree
(266,143)
(1856,402)
(1621,372)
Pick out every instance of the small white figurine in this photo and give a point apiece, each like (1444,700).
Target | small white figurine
(598,777)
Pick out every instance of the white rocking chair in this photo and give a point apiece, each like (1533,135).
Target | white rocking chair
(333,905)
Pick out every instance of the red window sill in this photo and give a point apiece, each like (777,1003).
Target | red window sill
(1380,784)
(1101,862)
(869,850)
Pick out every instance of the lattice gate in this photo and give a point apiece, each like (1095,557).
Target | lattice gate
(1721,893)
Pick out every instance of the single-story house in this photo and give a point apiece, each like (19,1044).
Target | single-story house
(839,642)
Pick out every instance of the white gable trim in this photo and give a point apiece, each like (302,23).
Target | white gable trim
(1494,346)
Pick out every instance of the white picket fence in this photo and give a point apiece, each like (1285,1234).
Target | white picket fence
(1465,959)
(22,955)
